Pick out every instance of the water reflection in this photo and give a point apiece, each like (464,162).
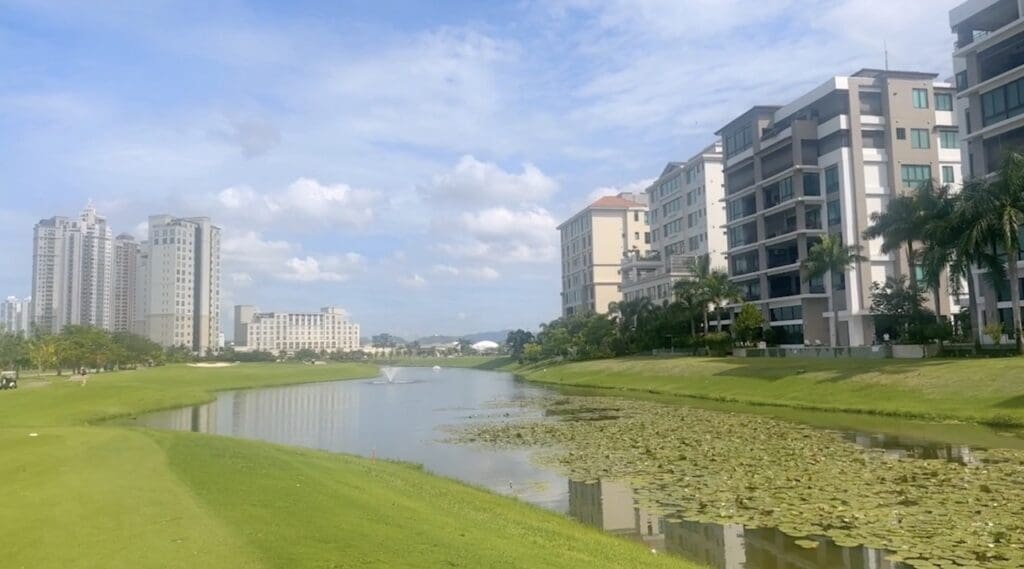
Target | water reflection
(611,506)
(900,447)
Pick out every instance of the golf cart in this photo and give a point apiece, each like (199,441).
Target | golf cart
(8,380)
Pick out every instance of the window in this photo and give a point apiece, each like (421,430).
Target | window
(786,313)
(831,179)
(919,138)
(947,139)
(1002,102)
(812,185)
(948,176)
(738,141)
(913,175)
(961,81)
(835,217)
(636,216)
(943,102)
(901,134)
(920,98)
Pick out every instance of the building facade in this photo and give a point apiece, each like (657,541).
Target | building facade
(823,164)
(687,219)
(990,91)
(125,278)
(16,315)
(243,316)
(178,283)
(328,330)
(72,272)
(593,243)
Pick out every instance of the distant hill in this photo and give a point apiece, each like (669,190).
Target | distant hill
(496,336)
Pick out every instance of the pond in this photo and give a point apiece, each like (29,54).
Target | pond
(416,417)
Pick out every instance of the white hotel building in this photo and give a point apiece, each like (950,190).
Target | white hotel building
(328,330)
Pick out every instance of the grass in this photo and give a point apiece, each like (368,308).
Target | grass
(989,391)
(87,493)
(476,362)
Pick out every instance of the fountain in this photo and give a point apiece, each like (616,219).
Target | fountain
(389,373)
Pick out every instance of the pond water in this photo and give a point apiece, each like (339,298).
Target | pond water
(411,420)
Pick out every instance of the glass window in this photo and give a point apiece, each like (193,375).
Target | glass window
(919,138)
(920,98)
(948,176)
(961,81)
(835,217)
(947,139)
(913,175)
(901,134)
(831,179)
(943,102)
(812,185)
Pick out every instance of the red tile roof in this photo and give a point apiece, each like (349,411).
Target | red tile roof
(615,202)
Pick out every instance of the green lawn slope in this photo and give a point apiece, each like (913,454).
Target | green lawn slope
(85,493)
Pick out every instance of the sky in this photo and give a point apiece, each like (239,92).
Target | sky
(405,160)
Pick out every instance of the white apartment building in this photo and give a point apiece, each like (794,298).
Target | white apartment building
(593,243)
(178,283)
(990,91)
(328,330)
(687,220)
(16,315)
(823,164)
(126,259)
(72,272)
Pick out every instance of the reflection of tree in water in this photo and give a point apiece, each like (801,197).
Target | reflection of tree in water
(611,506)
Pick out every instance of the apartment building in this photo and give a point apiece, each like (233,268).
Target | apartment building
(243,316)
(824,163)
(989,68)
(687,220)
(593,244)
(178,283)
(72,272)
(126,259)
(16,315)
(328,330)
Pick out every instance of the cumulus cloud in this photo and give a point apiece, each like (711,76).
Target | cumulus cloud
(306,203)
(636,187)
(249,257)
(502,234)
(483,273)
(475,182)
(412,281)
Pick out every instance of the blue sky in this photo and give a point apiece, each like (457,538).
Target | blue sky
(405,160)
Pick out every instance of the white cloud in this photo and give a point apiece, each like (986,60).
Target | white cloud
(636,187)
(483,273)
(500,234)
(305,203)
(472,181)
(413,281)
(250,258)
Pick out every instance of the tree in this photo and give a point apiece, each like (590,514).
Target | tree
(720,291)
(825,259)
(901,224)
(1000,206)
(516,342)
(749,323)
(897,308)
(13,351)
(701,269)
(690,297)
(43,351)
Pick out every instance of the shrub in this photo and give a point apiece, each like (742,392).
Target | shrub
(995,332)
(719,344)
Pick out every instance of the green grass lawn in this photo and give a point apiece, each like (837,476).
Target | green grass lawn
(84,493)
(987,391)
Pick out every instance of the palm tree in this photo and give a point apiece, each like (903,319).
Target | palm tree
(938,236)
(630,314)
(902,224)
(1000,210)
(826,258)
(690,297)
(701,273)
(720,292)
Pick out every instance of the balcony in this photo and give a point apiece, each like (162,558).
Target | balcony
(787,253)
(779,224)
(743,235)
(750,291)
(744,264)
(976,27)
(787,284)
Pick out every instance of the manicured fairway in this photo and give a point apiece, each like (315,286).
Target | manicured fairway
(989,390)
(82,494)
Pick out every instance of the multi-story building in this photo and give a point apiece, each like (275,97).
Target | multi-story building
(687,218)
(990,91)
(126,259)
(178,283)
(243,316)
(593,243)
(328,330)
(16,315)
(72,272)
(824,163)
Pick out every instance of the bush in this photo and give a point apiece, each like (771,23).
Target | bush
(719,344)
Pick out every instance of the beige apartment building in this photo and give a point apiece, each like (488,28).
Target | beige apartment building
(990,90)
(329,330)
(126,260)
(593,243)
(823,164)
(687,220)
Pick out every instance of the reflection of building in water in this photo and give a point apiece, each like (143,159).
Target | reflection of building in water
(718,546)
(898,447)
(610,506)
(768,547)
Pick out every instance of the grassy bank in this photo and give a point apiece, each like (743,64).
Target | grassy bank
(984,391)
(476,362)
(88,494)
